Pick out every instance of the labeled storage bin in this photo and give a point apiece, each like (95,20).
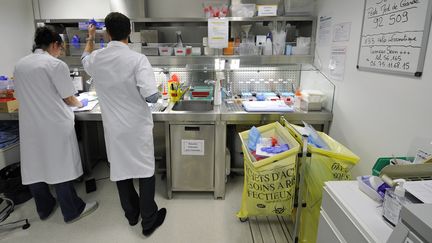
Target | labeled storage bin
(270,183)
(180,51)
(165,51)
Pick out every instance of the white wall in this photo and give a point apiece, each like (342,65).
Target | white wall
(376,114)
(17,28)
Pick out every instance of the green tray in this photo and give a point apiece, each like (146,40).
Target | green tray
(383,162)
(208,89)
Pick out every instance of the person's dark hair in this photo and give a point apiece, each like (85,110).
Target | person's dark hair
(44,36)
(118,26)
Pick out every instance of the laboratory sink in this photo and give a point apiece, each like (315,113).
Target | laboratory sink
(193,105)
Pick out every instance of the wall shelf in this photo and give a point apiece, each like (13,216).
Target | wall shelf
(232,19)
(75,61)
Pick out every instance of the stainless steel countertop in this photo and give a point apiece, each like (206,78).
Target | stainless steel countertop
(231,113)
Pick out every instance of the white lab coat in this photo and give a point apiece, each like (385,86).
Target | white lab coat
(49,147)
(123,79)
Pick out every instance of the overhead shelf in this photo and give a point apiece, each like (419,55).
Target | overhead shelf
(233,19)
(75,61)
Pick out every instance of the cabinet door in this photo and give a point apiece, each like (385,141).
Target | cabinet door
(326,230)
(192,157)
(77,9)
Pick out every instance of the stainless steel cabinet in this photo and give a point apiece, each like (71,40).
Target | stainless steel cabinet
(192,157)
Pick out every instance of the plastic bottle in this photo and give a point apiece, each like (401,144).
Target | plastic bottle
(6,84)
(11,84)
(217,93)
(268,46)
(297,99)
(179,39)
(394,200)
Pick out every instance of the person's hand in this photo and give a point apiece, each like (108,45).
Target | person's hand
(92,31)
(84,102)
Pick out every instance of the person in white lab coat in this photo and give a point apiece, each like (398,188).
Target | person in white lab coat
(49,147)
(125,82)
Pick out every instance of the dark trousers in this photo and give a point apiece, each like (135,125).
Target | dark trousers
(134,205)
(71,205)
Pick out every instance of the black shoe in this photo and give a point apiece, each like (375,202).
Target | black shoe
(159,220)
(45,217)
(134,221)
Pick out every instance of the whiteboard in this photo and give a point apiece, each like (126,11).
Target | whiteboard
(394,36)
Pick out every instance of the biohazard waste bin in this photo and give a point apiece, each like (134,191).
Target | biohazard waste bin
(269,183)
(323,165)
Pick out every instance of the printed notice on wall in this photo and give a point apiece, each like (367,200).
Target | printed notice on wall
(394,36)
(324,31)
(218,33)
(341,32)
(192,147)
(337,63)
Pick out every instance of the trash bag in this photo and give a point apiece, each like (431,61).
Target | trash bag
(269,184)
(334,164)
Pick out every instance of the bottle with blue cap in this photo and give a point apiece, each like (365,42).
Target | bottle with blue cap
(75,41)
(5,83)
(268,46)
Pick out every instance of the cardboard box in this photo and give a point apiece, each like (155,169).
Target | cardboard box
(9,106)
(7,94)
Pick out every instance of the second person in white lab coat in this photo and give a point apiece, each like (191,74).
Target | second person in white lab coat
(125,82)
(49,147)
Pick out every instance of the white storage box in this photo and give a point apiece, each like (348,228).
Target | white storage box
(299,6)
(165,51)
(267,10)
(300,50)
(311,95)
(9,155)
(243,10)
(180,51)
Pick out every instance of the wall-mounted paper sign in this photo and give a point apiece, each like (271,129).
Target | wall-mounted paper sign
(337,63)
(341,32)
(324,30)
(218,33)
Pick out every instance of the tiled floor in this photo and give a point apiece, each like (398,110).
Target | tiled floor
(191,217)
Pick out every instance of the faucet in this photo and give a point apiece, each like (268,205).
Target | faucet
(184,91)
(209,82)
(217,99)
(227,92)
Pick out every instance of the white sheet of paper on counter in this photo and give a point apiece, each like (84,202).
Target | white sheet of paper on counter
(420,189)
(88,107)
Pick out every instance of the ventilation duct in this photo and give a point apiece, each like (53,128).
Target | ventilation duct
(134,9)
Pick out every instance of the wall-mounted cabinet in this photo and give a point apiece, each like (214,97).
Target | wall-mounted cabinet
(66,9)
